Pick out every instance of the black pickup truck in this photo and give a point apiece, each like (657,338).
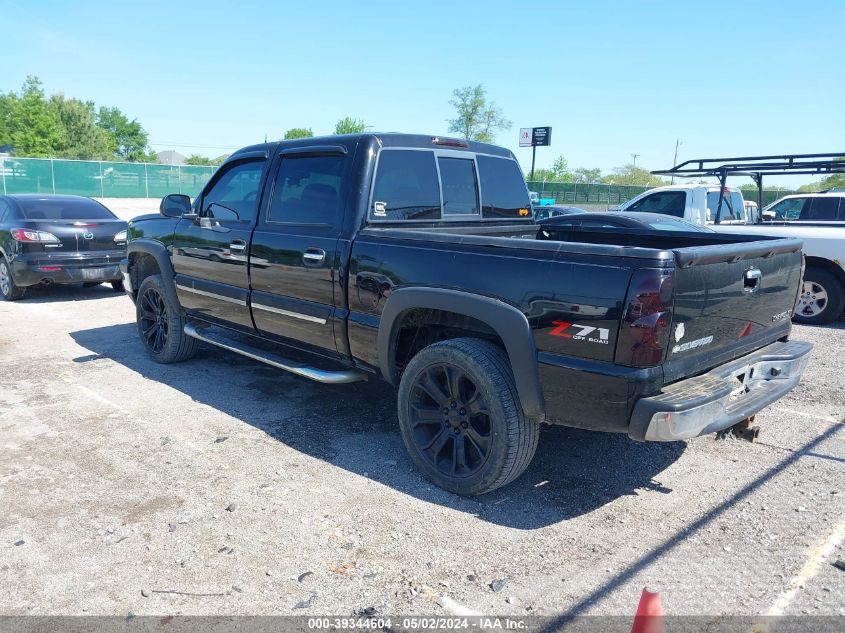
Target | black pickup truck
(415,259)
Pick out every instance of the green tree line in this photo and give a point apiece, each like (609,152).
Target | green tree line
(39,126)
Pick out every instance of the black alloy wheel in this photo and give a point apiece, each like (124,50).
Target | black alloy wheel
(450,420)
(152,319)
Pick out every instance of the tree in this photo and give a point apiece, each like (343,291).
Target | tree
(834,181)
(476,120)
(298,132)
(28,123)
(197,159)
(348,125)
(560,170)
(583,174)
(633,175)
(81,137)
(128,139)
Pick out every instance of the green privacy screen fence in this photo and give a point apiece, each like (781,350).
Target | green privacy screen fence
(614,195)
(100,179)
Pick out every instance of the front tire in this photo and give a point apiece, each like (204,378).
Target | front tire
(9,290)
(461,419)
(821,298)
(161,324)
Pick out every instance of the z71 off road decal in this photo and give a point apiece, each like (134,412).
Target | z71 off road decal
(585,332)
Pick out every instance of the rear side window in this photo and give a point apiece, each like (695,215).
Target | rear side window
(460,188)
(503,191)
(821,209)
(308,190)
(406,186)
(4,211)
(666,202)
(64,209)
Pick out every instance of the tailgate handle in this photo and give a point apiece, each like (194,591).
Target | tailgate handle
(751,280)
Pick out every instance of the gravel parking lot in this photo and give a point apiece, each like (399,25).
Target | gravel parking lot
(221,486)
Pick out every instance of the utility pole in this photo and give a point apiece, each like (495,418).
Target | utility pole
(634,156)
(675,160)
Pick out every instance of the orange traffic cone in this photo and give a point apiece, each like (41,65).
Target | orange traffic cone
(649,616)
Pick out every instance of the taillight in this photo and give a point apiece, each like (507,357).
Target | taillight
(28,235)
(644,333)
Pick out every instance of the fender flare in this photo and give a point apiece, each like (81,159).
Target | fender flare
(507,321)
(157,251)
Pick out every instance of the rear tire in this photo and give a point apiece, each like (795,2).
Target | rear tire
(9,290)
(160,324)
(460,417)
(117,286)
(821,298)
(90,284)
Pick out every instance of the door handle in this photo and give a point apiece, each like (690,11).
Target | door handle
(313,257)
(238,246)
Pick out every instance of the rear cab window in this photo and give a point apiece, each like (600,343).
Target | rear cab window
(430,185)
(733,206)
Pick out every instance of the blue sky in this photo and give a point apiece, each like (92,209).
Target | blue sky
(611,78)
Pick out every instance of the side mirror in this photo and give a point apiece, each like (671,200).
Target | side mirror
(175,205)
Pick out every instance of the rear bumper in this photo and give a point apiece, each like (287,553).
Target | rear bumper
(722,397)
(32,269)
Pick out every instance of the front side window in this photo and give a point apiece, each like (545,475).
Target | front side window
(665,202)
(406,186)
(308,190)
(503,192)
(789,209)
(460,189)
(234,196)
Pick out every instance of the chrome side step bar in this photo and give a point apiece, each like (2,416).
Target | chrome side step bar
(209,335)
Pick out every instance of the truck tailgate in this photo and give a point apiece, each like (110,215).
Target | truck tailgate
(729,300)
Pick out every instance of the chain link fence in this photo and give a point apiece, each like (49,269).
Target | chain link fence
(100,179)
(596,195)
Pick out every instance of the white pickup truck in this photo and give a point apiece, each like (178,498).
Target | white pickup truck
(822,296)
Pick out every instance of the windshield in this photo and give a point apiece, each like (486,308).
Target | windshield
(733,209)
(64,209)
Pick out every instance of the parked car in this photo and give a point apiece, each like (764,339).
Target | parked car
(695,203)
(553,211)
(413,259)
(823,209)
(637,221)
(50,239)
(822,297)
(538,200)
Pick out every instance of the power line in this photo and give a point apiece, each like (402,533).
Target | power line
(176,144)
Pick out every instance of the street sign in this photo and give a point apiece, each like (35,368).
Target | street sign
(534,136)
(542,136)
(526,135)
